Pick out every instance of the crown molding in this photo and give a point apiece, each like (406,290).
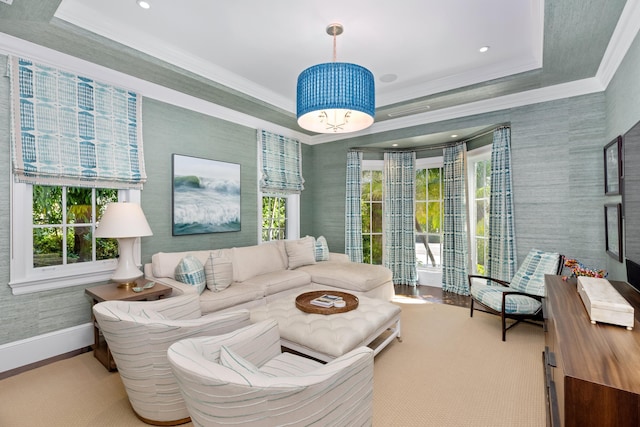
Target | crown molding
(458,80)
(545,94)
(11,45)
(623,36)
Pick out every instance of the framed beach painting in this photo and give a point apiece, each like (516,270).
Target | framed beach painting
(206,196)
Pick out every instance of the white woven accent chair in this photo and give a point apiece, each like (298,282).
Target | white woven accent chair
(243,378)
(140,332)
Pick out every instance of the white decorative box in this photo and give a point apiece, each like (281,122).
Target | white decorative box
(603,302)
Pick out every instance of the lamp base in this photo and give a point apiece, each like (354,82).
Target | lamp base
(127,285)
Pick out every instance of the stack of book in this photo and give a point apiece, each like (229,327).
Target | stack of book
(325,300)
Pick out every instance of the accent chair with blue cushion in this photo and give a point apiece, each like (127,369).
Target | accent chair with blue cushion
(520,299)
(244,379)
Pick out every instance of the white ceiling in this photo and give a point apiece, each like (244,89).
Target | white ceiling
(259,47)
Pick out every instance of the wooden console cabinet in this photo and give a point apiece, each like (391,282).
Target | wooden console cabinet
(592,372)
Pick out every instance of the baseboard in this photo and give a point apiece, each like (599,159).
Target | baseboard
(31,350)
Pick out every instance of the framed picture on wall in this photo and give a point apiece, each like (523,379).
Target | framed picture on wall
(613,167)
(206,196)
(613,230)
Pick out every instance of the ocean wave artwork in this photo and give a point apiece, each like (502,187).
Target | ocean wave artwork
(206,196)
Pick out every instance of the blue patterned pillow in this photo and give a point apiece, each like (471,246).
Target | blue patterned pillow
(322,249)
(191,271)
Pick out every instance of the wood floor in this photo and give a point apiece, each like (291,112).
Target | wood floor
(432,294)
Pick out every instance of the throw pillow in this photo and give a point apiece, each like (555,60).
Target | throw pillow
(218,271)
(322,249)
(191,271)
(301,252)
(234,361)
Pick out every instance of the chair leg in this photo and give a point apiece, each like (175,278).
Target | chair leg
(471,305)
(504,327)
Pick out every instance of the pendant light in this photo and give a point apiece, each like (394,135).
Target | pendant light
(335,97)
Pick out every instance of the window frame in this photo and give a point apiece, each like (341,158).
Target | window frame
(473,157)
(292,215)
(374,165)
(23,277)
(432,163)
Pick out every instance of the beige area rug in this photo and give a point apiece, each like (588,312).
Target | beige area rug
(449,371)
(452,370)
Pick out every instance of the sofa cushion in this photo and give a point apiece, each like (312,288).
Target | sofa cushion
(219,271)
(250,261)
(300,252)
(279,281)
(322,249)
(236,294)
(348,275)
(163,264)
(191,271)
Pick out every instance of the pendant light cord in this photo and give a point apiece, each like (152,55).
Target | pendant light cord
(335,29)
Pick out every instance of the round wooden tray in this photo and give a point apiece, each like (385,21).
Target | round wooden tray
(303,302)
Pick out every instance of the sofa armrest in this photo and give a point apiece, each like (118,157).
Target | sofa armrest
(179,288)
(337,257)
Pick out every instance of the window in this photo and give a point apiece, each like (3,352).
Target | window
(279,217)
(64,219)
(429,212)
(274,218)
(52,236)
(371,196)
(480,183)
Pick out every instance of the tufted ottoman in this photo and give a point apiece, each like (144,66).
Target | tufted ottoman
(326,337)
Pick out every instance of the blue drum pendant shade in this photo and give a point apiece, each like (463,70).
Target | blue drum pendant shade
(335,97)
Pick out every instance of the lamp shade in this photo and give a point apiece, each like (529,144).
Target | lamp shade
(123,220)
(335,97)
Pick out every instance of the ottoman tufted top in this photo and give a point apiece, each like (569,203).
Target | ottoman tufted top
(334,334)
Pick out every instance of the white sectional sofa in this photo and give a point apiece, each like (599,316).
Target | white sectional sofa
(265,272)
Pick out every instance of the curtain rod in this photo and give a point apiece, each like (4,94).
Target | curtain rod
(430,147)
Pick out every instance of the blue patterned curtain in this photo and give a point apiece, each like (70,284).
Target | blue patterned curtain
(281,164)
(455,253)
(399,241)
(73,130)
(353,207)
(502,244)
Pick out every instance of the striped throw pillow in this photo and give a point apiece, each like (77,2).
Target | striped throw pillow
(322,249)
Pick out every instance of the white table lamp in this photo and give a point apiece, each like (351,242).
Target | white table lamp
(125,222)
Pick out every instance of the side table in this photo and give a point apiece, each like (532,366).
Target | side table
(110,292)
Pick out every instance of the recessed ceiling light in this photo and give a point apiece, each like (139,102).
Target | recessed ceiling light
(143,4)
(394,145)
(388,78)
(483,49)
(454,136)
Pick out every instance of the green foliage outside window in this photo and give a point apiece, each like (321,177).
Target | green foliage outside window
(274,218)
(482,192)
(428,211)
(55,228)
(371,205)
